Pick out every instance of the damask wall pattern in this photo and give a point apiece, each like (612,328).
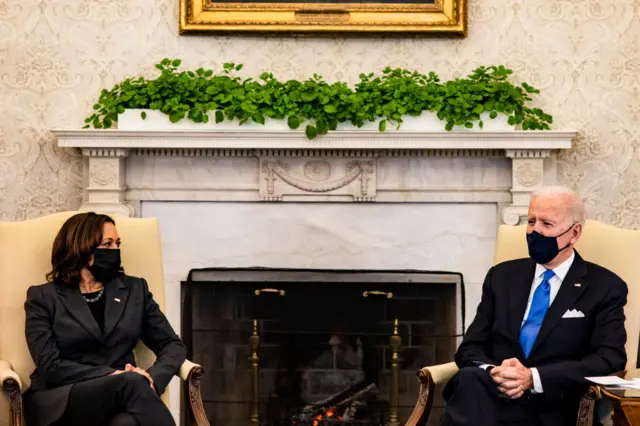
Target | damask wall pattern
(56,55)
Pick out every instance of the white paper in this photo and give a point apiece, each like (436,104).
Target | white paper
(610,381)
(633,384)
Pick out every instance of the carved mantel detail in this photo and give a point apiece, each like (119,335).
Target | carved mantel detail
(327,177)
(125,167)
(528,176)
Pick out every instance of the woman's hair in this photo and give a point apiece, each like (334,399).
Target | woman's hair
(76,241)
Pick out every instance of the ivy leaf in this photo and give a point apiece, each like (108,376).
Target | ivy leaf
(311,132)
(176,62)
(258,118)
(321,126)
(293,122)
(382,126)
(479,109)
(219,117)
(176,116)
(308,97)
(143,114)
(493,114)
(330,109)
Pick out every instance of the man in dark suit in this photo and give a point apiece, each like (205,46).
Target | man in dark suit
(543,324)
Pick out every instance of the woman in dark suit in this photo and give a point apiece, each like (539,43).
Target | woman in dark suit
(81,329)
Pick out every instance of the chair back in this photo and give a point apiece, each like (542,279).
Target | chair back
(613,248)
(25,259)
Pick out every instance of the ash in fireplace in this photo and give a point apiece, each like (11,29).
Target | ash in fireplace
(333,371)
(328,384)
(348,398)
(351,406)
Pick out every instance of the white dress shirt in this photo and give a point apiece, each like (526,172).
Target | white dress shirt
(555,282)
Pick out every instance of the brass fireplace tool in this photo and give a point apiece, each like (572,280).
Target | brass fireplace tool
(395,341)
(254,341)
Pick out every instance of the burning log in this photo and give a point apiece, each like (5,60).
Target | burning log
(340,407)
(365,393)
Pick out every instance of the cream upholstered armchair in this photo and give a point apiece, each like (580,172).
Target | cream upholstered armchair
(613,248)
(25,258)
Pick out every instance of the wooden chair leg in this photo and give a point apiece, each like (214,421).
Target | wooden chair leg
(12,389)
(422,410)
(194,397)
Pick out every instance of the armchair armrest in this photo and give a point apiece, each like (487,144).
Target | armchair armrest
(186,368)
(429,377)
(438,374)
(7,375)
(192,373)
(12,386)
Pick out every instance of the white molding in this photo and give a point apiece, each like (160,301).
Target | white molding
(126,167)
(344,139)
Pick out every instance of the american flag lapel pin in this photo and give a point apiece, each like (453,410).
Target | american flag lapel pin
(578,285)
(116,299)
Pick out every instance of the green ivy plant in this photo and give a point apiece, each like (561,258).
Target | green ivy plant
(320,106)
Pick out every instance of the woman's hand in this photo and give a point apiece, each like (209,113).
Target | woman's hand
(130,367)
(115,373)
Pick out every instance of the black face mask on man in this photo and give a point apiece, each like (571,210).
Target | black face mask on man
(543,249)
(106,264)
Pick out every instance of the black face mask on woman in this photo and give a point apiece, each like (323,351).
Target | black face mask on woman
(543,249)
(106,264)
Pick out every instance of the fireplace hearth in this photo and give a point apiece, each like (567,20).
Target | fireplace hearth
(316,347)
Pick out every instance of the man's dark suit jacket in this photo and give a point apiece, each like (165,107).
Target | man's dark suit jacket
(567,349)
(68,347)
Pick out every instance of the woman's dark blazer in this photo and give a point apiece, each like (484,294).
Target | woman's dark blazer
(68,347)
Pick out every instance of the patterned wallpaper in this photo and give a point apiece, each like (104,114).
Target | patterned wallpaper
(56,55)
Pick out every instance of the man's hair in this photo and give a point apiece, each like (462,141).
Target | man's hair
(576,212)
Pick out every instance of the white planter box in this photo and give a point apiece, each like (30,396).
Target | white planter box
(155,120)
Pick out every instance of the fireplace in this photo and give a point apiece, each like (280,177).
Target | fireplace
(316,347)
(420,200)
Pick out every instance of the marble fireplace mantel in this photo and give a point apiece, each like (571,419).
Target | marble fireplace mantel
(126,167)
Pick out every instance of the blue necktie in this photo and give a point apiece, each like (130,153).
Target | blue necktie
(539,307)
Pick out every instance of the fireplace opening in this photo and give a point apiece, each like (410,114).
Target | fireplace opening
(316,347)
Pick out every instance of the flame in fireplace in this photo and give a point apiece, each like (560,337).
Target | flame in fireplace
(330,414)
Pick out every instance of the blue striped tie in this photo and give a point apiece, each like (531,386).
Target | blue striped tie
(539,307)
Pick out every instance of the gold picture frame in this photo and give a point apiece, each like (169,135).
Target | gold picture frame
(318,17)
